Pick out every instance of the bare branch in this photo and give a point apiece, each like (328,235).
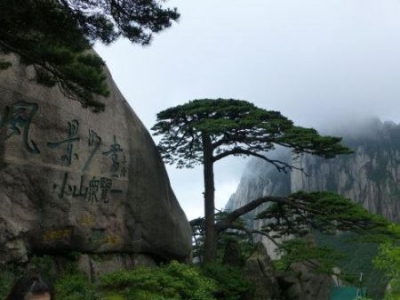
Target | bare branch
(234,215)
(280,165)
(250,232)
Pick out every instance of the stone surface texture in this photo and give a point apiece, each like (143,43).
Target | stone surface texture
(95,266)
(303,283)
(260,270)
(74,180)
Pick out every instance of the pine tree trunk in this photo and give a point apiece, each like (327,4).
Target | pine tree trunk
(211,237)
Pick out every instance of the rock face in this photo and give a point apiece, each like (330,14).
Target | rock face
(232,254)
(302,283)
(74,180)
(370,176)
(260,271)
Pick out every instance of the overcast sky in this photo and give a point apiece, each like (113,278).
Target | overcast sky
(319,62)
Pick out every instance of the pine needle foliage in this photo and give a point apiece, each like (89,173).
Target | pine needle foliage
(323,259)
(302,213)
(55,36)
(235,127)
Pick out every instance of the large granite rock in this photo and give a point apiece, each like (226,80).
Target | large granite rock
(74,180)
(260,270)
(302,282)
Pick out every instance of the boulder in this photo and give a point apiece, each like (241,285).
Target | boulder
(75,180)
(302,282)
(232,254)
(260,270)
(94,266)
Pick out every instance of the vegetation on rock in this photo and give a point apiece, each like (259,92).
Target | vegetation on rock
(55,36)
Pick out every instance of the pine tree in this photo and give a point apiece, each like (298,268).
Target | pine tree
(206,131)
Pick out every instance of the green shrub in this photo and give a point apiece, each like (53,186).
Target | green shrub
(43,263)
(75,287)
(174,281)
(230,283)
(7,278)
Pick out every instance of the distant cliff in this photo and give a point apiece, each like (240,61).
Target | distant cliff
(370,176)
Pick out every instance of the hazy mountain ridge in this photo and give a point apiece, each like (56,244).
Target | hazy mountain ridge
(370,176)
